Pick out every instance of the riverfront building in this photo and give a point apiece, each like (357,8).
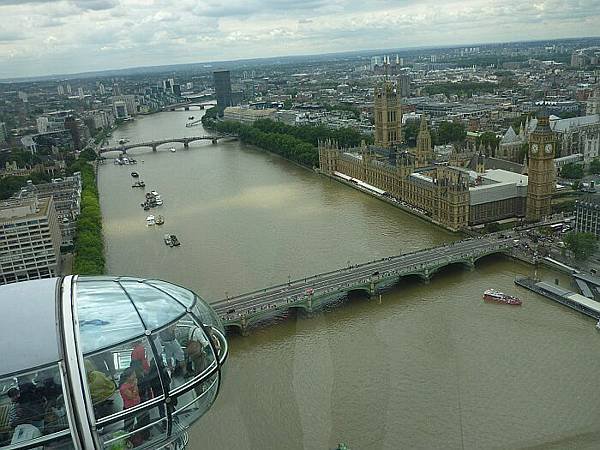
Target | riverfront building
(452,196)
(29,240)
(247,115)
(66,195)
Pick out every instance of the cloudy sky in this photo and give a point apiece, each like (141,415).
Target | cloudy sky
(40,37)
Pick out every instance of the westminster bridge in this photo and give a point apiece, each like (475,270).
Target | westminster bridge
(186,141)
(310,294)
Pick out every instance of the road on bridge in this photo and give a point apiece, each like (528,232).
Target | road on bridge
(321,284)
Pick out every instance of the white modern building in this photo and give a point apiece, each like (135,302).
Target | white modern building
(54,121)
(247,115)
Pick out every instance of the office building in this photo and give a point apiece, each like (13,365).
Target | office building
(3,133)
(247,115)
(120,109)
(587,215)
(66,196)
(29,240)
(222,83)
(593,103)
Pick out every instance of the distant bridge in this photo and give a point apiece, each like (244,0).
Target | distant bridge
(308,294)
(186,141)
(202,103)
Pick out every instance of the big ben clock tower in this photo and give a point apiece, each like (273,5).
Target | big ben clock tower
(542,148)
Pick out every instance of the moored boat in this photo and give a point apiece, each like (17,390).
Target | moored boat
(500,297)
(175,241)
(168,240)
(135,174)
(173,149)
(150,220)
(160,220)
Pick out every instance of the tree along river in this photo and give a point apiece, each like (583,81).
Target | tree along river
(429,366)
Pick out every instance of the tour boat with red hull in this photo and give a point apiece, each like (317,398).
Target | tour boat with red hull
(500,297)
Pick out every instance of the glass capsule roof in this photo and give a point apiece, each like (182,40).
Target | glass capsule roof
(108,310)
(84,338)
(115,309)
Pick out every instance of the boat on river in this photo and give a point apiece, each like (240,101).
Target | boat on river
(500,297)
(160,220)
(175,241)
(135,174)
(173,149)
(168,240)
(150,220)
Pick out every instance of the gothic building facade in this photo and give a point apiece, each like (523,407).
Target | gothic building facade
(454,197)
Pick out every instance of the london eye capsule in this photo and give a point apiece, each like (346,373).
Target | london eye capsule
(105,363)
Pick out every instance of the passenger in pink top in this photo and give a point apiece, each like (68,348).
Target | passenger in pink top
(129,391)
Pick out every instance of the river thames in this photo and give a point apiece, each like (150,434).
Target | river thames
(430,366)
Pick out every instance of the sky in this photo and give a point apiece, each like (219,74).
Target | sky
(41,37)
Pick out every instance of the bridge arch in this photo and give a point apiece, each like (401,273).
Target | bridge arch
(174,141)
(359,289)
(485,255)
(461,262)
(133,147)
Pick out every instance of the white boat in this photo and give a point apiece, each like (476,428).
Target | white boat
(154,193)
(173,149)
(168,240)
(150,220)
(598,325)
(159,202)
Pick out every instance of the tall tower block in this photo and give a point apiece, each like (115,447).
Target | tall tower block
(388,116)
(542,148)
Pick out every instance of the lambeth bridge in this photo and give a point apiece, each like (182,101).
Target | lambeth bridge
(309,294)
(186,141)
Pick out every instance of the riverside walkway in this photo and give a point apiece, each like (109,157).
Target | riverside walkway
(309,294)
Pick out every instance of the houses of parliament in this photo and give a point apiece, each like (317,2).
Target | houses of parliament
(448,194)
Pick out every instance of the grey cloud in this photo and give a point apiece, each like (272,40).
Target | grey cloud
(24,2)
(256,7)
(95,5)
(8,36)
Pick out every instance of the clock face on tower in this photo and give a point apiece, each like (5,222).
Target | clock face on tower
(534,148)
(548,148)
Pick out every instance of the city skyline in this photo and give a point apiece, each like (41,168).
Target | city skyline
(44,37)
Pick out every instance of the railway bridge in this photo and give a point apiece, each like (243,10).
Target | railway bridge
(309,294)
